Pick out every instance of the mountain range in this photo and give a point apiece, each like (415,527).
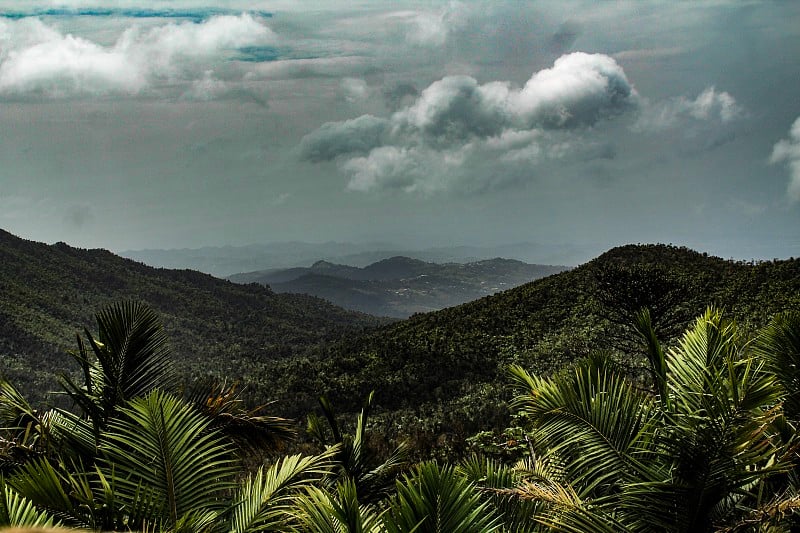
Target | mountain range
(439,377)
(222,261)
(400,286)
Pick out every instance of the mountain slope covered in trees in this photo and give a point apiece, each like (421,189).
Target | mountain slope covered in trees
(218,329)
(443,372)
(439,377)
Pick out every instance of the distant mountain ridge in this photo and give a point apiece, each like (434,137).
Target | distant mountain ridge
(223,261)
(400,286)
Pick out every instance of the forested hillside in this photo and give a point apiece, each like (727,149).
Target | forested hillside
(217,329)
(439,377)
(441,374)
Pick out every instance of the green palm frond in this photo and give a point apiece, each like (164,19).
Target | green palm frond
(264,500)
(591,417)
(374,477)
(161,449)
(717,441)
(73,435)
(435,498)
(779,346)
(322,512)
(129,358)
(42,483)
(16,510)
(497,483)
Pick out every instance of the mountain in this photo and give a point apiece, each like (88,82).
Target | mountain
(222,261)
(217,328)
(400,286)
(441,376)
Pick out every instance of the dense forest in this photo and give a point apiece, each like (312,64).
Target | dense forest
(439,378)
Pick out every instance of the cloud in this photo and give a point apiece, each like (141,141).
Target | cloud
(37,59)
(355,136)
(456,121)
(431,28)
(709,106)
(318,67)
(788,151)
(354,89)
(400,95)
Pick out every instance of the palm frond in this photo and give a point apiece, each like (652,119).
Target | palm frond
(161,448)
(592,417)
(265,499)
(130,358)
(321,512)
(778,345)
(16,510)
(435,498)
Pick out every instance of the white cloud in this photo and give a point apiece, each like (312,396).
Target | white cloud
(709,106)
(60,65)
(788,151)
(36,58)
(456,121)
(354,89)
(580,89)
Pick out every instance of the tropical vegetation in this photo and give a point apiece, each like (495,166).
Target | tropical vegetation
(704,440)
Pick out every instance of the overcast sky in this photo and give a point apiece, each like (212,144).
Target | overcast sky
(182,124)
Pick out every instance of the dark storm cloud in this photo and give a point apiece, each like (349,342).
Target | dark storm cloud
(356,136)
(400,95)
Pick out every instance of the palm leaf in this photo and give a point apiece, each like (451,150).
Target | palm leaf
(779,346)
(265,499)
(161,449)
(322,512)
(592,418)
(130,358)
(16,510)
(435,498)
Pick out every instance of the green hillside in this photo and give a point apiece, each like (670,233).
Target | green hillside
(217,329)
(440,374)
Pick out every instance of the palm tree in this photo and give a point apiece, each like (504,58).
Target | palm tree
(698,455)
(372,476)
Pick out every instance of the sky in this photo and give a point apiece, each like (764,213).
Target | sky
(173,124)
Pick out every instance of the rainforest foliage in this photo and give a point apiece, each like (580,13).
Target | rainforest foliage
(706,441)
